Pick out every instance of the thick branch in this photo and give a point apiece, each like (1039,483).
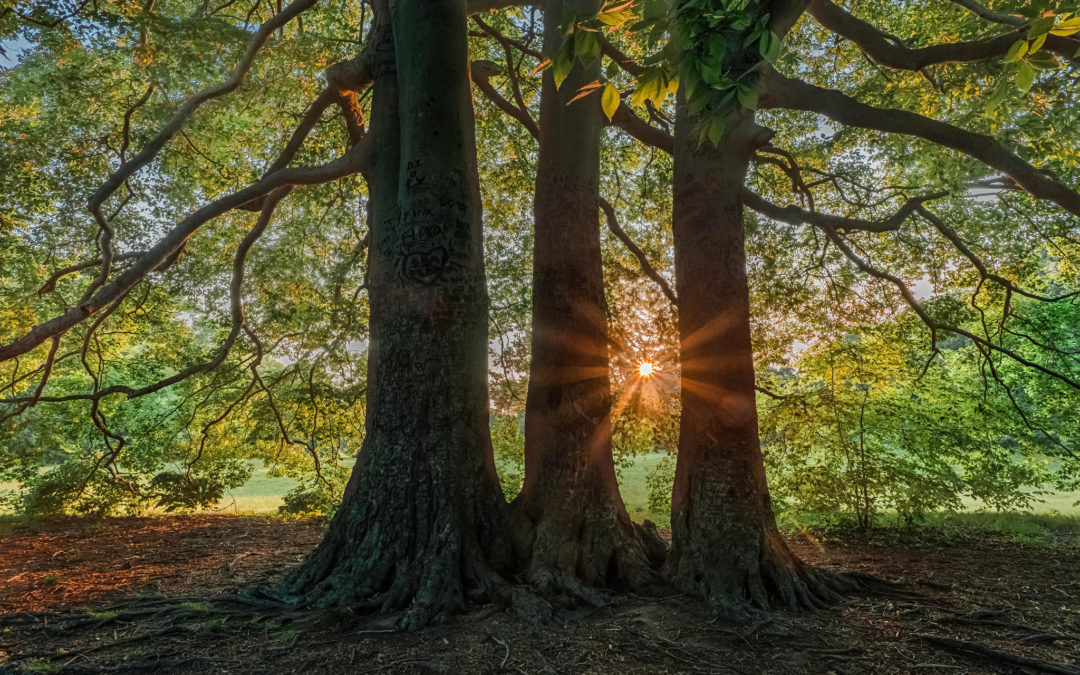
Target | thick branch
(784,92)
(886,52)
(625,119)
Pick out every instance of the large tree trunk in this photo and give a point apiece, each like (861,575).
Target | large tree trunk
(583,534)
(725,544)
(422,524)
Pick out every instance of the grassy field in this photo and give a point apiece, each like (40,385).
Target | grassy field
(262,494)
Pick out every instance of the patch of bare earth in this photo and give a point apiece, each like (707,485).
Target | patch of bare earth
(162,597)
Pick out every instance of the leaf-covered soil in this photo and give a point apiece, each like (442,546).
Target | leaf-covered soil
(158,595)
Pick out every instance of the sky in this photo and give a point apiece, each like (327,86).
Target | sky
(12,52)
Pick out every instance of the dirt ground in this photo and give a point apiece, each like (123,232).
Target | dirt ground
(153,595)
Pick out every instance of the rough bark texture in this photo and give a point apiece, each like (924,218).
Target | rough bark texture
(583,534)
(422,523)
(725,544)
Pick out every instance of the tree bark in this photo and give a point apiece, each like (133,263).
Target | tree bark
(423,523)
(583,535)
(726,547)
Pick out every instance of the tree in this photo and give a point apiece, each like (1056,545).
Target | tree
(584,536)
(422,522)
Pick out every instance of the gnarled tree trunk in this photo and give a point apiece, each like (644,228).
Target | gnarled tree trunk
(422,522)
(583,534)
(725,544)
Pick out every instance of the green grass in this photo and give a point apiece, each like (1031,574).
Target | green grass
(634,492)
(263,494)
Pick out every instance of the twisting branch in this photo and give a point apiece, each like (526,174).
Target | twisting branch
(481,72)
(784,92)
(286,438)
(154,145)
(794,216)
(511,66)
(987,14)
(643,260)
(886,52)
(984,273)
(173,242)
(624,118)
(236,310)
(507,42)
(50,284)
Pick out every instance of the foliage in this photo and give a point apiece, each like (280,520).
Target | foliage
(875,412)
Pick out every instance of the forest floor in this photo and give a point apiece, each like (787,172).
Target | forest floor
(151,594)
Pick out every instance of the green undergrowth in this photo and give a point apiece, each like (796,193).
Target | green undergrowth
(1044,530)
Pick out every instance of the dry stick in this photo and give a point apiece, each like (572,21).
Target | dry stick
(151,149)
(791,94)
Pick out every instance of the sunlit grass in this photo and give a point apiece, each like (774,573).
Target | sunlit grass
(263,494)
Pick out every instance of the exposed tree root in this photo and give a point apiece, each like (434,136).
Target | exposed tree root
(982,652)
(423,555)
(736,579)
(582,557)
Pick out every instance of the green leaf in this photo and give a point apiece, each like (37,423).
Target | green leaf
(609,100)
(747,96)
(563,63)
(716,129)
(618,14)
(1025,76)
(569,20)
(769,46)
(1040,27)
(1017,51)
(586,46)
(654,9)
(995,99)
(1037,44)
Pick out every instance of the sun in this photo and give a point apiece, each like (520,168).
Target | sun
(646,369)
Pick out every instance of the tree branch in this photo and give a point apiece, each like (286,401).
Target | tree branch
(788,214)
(152,147)
(171,243)
(643,260)
(888,53)
(784,92)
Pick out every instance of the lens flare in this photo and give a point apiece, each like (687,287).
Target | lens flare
(646,369)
